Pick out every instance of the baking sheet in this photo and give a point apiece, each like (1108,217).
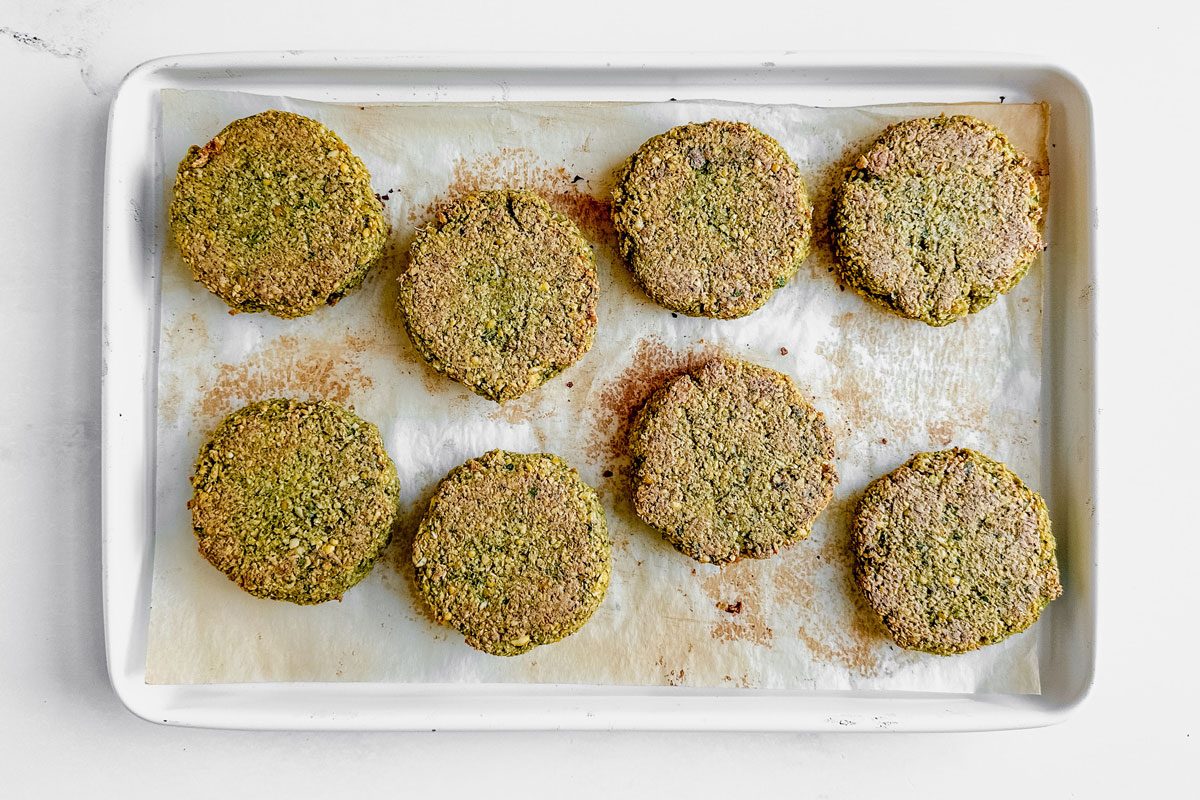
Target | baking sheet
(888,387)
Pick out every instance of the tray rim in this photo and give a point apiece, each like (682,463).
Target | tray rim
(128,539)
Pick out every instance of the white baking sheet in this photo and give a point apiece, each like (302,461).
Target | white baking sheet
(888,387)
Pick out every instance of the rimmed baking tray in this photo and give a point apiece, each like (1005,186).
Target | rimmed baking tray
(131,293)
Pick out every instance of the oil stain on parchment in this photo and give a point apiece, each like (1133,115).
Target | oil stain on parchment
(289,367)
(736,591)
(874,349)
(839,629)
(520,168)
(185,342)
(653,364)
(670,675)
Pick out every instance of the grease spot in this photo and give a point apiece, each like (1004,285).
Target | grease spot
(941,433)
(520,168)
(185,341)
(289,367)
(838,628)
(739,586)
(653,365)
(672,677)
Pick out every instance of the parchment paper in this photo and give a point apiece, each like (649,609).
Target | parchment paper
(888,387)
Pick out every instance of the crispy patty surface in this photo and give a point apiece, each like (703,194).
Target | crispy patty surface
(954,552)
(712,218)
(513,551)
(277,214)
(938,218)
(731,461)
(294,500)
(500,293)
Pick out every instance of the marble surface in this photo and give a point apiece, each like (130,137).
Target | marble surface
(63,731)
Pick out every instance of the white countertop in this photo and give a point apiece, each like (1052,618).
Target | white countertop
(63,731)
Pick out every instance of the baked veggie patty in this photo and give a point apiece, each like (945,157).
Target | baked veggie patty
(731,461)
(712,218)
(937,219)
(500,293)
(276,214)
(954,552)
(294,500)
(513,551)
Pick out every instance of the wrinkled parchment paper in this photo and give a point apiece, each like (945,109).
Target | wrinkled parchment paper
(888,387)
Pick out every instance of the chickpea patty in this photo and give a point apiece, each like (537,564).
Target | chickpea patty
(954,552)
(276,214)
(712,218)
(513,551)
(731,461)
(294,500)
(937,219)
(500,293)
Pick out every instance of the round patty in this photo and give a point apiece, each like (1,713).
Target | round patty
(276,214)
(937,219)
(513,551)
(294,500)
(500,293)
(954,552)
(712,218)
(731,461)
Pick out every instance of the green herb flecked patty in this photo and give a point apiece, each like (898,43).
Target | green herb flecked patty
(937,219)
(954,552)
(276,214)
(500,293)
(712,217)
(730,461)
(513,551)
(294,500)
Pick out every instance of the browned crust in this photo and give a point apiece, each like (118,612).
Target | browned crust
(500,293)
(938,218)
(712,218)
(277,214)
(954,552)
(731,461)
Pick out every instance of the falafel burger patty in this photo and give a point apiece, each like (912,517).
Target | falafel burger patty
(513,551)
(937,219)
(954,552)
(712,218)
(277,214)
(729,461)
(294,500)
(500,293)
